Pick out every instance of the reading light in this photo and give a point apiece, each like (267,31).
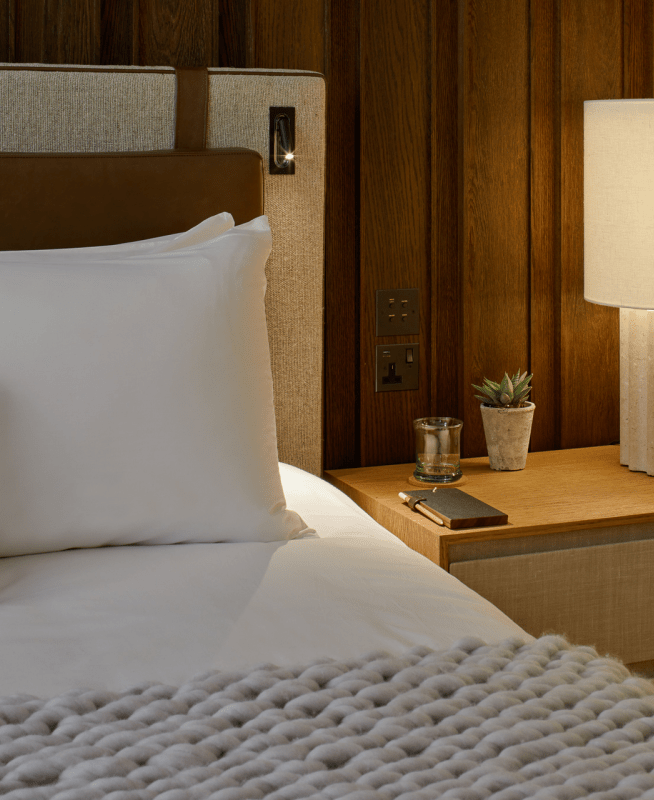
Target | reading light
(282,141)
(619,254)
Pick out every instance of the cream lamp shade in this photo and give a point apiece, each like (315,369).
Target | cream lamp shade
(619,254)
(619,203)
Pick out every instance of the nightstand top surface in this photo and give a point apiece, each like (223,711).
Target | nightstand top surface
(559,490)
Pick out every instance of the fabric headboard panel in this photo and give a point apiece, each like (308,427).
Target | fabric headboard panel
(107,109)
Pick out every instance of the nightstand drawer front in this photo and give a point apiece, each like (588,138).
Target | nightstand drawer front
(601,596)
(500,547)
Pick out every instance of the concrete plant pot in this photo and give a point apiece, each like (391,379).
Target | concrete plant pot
(508,431)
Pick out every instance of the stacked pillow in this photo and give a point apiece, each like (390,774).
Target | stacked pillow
(136,400)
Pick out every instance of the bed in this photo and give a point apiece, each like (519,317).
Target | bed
(187,610)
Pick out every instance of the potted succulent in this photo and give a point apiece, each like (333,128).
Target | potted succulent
(507,415)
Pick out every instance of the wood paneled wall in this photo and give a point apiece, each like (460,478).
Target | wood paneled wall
(455,165)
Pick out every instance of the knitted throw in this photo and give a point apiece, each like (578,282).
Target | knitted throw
(544,720)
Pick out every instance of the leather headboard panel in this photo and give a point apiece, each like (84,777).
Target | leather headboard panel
(54,200)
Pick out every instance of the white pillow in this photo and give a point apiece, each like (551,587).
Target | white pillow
(136,399)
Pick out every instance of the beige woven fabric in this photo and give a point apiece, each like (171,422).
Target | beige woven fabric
(86,111)
(600,596)
(78,109)
(294,205)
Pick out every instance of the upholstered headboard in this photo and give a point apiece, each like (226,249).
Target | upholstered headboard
(108,109)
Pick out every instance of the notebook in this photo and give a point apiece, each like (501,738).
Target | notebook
(458,509)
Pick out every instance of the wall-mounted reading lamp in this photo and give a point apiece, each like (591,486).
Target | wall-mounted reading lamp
(619,254)
(282,140)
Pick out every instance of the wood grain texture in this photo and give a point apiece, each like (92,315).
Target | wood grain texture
(57,31)
(494,210)
(342,444)
(234,32)
(559,492)
(638,50)
(446,332)
(591,69)
(178,33)
(288,35)
(545,224)
(7,31)
(119,32)
(395,207)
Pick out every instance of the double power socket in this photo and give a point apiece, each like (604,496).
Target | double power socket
(397,366)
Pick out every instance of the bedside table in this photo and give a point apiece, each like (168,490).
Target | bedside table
(576,557)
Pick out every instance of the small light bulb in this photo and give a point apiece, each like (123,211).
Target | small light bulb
(289,156)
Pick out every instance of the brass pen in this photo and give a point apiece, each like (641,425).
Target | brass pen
(416,504)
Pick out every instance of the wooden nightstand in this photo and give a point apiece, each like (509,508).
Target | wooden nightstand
(577,556)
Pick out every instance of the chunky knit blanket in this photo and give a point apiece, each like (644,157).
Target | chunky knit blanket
(510,721)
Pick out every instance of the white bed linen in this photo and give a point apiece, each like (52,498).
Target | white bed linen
(113,617)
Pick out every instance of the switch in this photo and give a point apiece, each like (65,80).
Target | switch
(397,312)
(409,355)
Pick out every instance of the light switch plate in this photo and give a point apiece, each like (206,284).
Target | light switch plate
(397,367)
(397,312)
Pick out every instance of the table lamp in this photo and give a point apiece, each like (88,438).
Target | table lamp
(619,254)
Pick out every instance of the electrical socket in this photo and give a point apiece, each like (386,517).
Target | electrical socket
(397,367)
(397,312)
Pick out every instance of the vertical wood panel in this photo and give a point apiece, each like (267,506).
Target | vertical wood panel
(32,28)
(342,241)
(545,296)
(234,33)
(58,31)
(591,69)
(289,35)
(494,51)
(7,31)
(446,333)
(178,33)
(395,213)
(119,32)
(638,48)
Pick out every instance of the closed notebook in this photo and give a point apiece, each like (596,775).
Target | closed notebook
(458,509)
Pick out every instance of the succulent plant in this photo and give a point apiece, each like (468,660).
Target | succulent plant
(509,393)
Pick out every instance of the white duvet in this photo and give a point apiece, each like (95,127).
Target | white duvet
(116,616)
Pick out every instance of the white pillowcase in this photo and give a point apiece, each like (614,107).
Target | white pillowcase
(136,398)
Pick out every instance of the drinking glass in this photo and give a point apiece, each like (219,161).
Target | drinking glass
(438,449)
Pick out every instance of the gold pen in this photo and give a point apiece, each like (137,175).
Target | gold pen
(416,504)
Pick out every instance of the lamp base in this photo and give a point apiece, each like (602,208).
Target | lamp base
(637,390)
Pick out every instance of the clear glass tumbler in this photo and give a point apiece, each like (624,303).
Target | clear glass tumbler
(438,449)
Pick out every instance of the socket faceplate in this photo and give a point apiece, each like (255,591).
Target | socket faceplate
(397,367)
(397,312)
